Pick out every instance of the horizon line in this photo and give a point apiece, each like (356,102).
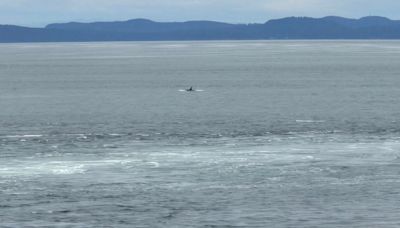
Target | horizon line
(195,20)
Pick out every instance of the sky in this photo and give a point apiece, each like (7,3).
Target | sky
(37,13)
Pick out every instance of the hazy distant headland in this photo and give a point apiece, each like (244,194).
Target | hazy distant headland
(332,27)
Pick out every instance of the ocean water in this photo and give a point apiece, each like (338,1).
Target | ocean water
(280,134)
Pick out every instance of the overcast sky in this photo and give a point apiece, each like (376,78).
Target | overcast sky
(41,12)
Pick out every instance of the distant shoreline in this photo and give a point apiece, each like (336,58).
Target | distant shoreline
(291,28)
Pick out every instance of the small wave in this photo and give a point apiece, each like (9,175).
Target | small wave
(28,168)
(40,169)
(155,164)
(310,121)
(110,146)
(23,136)
(78,169)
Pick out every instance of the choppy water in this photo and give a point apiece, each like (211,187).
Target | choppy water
(283,134)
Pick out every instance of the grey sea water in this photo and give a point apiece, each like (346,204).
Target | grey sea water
(282,134)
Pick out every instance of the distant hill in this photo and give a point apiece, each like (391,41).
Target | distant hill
(331,27)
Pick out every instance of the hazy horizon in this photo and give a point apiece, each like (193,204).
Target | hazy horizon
(43,12)
(180,21)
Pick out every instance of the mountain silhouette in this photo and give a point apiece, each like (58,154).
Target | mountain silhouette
(331,27)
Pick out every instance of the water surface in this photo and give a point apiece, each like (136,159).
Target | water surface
(282,134)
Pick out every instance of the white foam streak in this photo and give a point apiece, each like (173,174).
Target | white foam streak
(29,168)
(310,121)
(23,136)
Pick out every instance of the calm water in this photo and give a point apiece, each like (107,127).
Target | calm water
(282,134)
